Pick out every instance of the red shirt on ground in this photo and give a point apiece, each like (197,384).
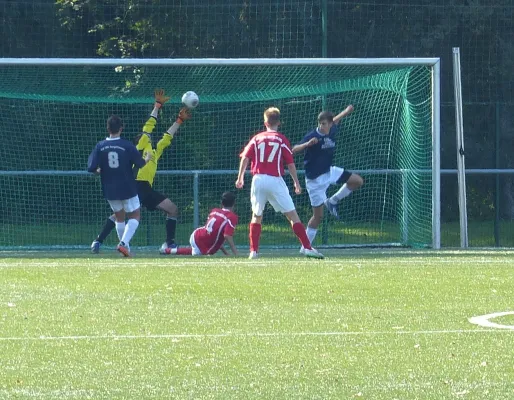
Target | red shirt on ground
(211,236)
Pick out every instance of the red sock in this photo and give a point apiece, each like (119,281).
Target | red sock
(299,230)
(184,251)
(255,235)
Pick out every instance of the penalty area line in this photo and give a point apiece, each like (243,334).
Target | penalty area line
(246,335)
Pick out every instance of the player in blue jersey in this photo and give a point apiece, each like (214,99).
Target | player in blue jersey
(114,158)
(320,146)
(150,198)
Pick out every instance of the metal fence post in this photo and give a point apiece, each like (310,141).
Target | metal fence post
(497,179)
(196,201)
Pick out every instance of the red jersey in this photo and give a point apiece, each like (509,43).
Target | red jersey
(268,151)
(211,236)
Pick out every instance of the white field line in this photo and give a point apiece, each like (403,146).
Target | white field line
(244,335)
(485,320)
(262,263)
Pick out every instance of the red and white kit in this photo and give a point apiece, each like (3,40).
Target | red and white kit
(268,152)
(209,238)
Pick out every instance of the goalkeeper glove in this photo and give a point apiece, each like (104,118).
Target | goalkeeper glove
(160,98)
(183,115)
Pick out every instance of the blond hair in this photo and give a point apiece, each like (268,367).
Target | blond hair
(272,116)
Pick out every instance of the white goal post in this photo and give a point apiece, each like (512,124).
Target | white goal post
(432,63)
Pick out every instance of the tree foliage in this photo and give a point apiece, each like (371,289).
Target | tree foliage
(294,28)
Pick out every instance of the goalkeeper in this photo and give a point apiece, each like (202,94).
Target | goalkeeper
(149,197)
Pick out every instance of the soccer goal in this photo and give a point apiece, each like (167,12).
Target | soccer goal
(53,111)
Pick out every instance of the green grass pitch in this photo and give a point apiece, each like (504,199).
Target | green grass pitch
(358,325)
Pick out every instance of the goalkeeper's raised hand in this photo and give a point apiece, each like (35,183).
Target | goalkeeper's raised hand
(183,115)
(160,98)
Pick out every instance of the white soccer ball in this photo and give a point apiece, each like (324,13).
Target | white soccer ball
(190,99)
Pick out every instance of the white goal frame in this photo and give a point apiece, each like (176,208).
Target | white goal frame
(433,63)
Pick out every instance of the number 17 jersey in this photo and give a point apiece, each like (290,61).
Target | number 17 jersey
(211,236)
(268,151)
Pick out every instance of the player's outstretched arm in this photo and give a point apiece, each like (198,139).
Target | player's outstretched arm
(183,115)
(347,111)
(168,136)
(145,138)
(241,175)
(230,240)
(302,146)
(160,99)
(292,171)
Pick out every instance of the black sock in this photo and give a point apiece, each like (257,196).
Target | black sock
(171,227)
(108,227)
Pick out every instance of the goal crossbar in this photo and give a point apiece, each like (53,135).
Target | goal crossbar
(219,61)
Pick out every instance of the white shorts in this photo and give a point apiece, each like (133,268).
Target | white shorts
(128,205)
(273,189)
(195,251)
(317,188)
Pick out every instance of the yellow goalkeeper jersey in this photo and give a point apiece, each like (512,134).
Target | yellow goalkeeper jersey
(147,173)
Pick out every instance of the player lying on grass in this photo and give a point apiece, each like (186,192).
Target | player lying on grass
(149,197)
(268,151)
(218,228)
(114,158)
(319,145)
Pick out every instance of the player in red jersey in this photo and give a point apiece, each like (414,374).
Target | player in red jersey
(268,151)
(208,239)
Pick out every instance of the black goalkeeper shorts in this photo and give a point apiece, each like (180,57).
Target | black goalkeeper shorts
(149,197)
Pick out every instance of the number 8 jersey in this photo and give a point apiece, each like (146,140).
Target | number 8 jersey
(211,236)
(115,157)
(268,151)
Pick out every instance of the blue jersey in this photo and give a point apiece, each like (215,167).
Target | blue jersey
(318,158)
(116,157)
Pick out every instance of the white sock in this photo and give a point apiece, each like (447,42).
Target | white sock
(130,229)
(311,234)
(120,228)
(340,194)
